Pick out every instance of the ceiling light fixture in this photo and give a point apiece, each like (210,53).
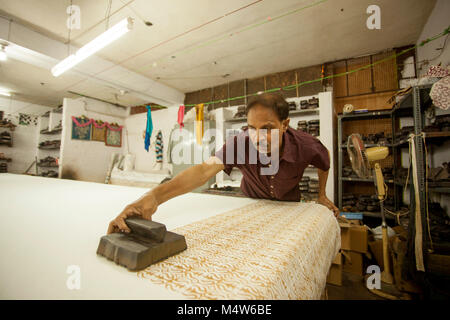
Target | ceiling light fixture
(92,47)
(3,56)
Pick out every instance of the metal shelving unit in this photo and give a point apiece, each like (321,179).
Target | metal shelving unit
(409,105)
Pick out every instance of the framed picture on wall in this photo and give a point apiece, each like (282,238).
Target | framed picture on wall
(98,131)
(113,136)
(81,128)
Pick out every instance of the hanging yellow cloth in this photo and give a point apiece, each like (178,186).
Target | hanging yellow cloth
(199,123)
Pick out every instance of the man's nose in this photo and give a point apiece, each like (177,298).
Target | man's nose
(258,136)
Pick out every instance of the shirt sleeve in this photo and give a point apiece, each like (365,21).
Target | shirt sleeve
(230,161)
(320,157)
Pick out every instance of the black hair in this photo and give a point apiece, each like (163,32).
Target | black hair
(272,101)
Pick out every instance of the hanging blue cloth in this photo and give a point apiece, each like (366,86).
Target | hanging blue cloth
(149,129)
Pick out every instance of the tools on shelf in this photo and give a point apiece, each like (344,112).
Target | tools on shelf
(312,127)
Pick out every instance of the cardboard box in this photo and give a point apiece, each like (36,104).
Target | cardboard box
(338,258)
(353,262)
(353,237)
(335,272)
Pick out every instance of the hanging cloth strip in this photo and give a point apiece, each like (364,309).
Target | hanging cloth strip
(418,218)
(159,147)
(181,116)
(149,128)
(199,123)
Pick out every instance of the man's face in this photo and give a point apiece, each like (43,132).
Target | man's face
(262,122)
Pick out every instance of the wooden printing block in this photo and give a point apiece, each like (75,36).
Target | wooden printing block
(147,243)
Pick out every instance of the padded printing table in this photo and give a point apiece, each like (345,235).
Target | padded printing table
(238,248)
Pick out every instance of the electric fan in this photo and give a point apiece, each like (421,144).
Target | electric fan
(360,157)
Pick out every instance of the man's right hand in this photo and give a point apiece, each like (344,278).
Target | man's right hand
(185,181)
(144,208)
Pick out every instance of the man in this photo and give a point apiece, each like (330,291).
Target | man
(291,151)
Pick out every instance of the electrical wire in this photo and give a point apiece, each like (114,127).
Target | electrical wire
(249,27)
(135,12)
(189,31)
(70,29)
(294,86)
(101,21)
(108,13)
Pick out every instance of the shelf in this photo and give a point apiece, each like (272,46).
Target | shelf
(371,145)
(240,119)
(9,126)
(369,214)
(49,148)
(406,102)
(363,180)
(304,111)
(389,145)
(6,159)
(9,144)
(369,114)
(439,134)
(439,189)
(55,131)
(46,166)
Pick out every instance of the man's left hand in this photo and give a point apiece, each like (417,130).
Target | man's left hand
(323,200)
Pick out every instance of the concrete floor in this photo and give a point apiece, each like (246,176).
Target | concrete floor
(353,288)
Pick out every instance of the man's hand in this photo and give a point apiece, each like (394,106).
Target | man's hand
(144,208)
(323,200)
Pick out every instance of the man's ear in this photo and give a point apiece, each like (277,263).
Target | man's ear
(285,124)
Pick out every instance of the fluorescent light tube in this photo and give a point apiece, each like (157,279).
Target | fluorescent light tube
(93,46)
(5,93)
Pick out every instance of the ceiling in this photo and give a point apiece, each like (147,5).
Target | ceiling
(193,44)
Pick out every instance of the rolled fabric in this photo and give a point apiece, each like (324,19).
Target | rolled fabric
(149,128)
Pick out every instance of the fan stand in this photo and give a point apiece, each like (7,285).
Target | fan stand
(386,275)
(387,290)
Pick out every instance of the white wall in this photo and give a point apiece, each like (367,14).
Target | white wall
(88,160)
(436,23)
(136,124)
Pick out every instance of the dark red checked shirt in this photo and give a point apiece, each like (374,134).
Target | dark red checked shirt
(300,150)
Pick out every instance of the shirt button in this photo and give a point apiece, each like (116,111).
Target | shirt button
(271,187)
(272,177)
